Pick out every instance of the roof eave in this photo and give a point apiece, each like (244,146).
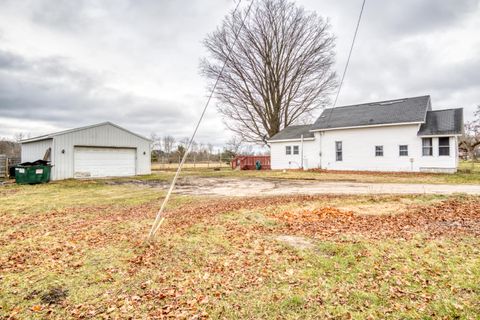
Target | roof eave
(368,126)
(291,140)
(49,137)
(431,135)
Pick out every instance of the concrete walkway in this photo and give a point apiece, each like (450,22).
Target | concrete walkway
(268,187)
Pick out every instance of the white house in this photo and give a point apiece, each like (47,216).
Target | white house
(394,135)
(100,150)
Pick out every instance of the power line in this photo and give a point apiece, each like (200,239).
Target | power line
(159,219)
(349,54)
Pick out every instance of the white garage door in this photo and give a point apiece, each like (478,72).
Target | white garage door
(103,162)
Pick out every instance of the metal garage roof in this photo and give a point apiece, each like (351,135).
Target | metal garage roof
(51,135)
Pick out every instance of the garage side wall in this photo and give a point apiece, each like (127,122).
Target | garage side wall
(102,136)
(35,150)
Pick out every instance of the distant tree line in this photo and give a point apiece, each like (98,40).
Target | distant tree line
(167,149)
(11,147)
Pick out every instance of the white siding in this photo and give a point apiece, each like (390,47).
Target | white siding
(105,135)
(101,136)
(33,151)
(280,160)
(359,150)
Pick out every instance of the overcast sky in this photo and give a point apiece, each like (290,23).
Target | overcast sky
(65,64)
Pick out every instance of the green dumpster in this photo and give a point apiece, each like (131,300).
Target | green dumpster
(32,174)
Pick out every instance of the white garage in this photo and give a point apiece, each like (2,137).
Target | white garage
(103,162)
(101,150)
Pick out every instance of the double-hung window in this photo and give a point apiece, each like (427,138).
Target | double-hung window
(338,151)
(295,150)
(444,146)
(378,151)
(288,150)
(427,147)
(403,150)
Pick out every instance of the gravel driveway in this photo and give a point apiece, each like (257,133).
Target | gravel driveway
(269,187)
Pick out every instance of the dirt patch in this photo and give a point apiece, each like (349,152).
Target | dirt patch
(296,242)
(251,187)
(54,296)
(237,187)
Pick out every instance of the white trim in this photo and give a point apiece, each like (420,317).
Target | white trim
(41,138)
(440,135)
(51,135)
(369,126)
(291,140)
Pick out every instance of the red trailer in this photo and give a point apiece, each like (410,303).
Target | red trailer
(249,162)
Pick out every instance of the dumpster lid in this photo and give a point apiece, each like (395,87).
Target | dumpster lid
(34,163)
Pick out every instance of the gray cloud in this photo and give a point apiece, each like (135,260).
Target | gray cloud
(414,16)
(68,98)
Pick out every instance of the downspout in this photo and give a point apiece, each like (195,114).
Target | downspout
(301,152)
(320,153)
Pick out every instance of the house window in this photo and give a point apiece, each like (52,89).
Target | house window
(378,151)
(403,150)
(427,147)
(288,150)
(338,151)
(444,146)
(295,150)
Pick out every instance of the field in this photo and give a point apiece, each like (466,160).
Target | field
(197,165)
(77,250)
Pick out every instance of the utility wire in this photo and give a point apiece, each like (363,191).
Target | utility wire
(346,65)
(349,54)
(159,218)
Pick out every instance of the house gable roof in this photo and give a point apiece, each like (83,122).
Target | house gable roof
(51,135)
(293,132)
(443,122)
(388,112)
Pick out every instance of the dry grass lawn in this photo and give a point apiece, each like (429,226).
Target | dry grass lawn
(76,250)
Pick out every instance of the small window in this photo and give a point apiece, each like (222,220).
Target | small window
(427,147)
(295,149)
(378,151)
(444,146)
(338,151)
(288,150)
(403,150)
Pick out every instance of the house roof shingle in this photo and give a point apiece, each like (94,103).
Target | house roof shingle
(442,122)
(293,132)
(405,110)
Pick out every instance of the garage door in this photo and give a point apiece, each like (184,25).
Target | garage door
(103,162)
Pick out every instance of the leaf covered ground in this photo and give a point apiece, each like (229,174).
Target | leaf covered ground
(76,250)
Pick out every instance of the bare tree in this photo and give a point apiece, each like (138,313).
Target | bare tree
(182,146)
(210,148)
(279,71)
(234,144)
(156,141)
(19,136)
(470,139)
(168,142)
